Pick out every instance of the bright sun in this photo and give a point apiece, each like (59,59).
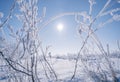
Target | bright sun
(60,27)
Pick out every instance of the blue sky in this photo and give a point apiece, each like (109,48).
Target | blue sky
(68,41)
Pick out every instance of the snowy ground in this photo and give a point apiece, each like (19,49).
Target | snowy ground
(64,68)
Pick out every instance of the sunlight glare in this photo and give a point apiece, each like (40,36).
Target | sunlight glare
(60,27)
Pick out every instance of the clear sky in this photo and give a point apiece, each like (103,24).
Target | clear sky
(67,40)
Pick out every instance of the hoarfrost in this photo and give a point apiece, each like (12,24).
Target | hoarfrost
(116,17)
(92,2)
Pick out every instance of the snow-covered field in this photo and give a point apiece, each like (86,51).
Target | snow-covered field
(90,69)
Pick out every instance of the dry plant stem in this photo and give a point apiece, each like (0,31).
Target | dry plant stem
(90,32)
(84,43)
(99,45)
(32,69)
(43,66)
(111,68)
(118,44)
(14,68)
(36,70)
(19,65)
(76,61)
(49,64)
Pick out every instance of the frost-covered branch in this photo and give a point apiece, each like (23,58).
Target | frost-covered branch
(12,66)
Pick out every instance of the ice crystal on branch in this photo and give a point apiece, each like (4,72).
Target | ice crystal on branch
(92,2)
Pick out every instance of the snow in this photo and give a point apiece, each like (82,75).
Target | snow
(89,67)
(64,68)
